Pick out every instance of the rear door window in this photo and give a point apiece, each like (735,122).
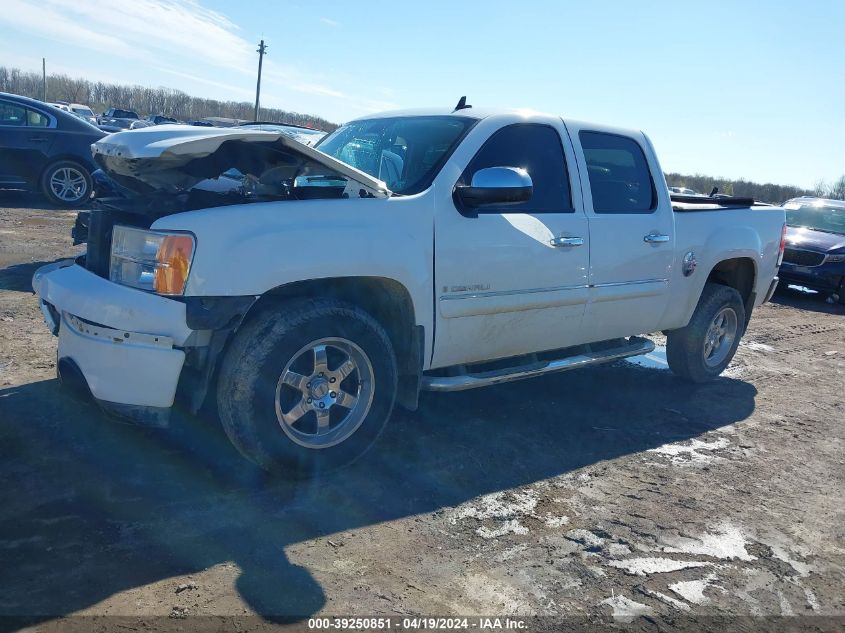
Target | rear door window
(36,119)
(537,149)
(620,180)
(11,114)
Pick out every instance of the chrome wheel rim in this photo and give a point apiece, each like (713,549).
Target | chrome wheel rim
(720,336)
(68,184)
(324,393)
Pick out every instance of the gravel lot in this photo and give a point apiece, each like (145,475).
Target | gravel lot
(607,492)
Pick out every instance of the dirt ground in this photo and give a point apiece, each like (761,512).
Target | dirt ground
(600,494)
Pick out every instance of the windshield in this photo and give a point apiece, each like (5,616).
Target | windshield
(303,135)
(405,152)
(816,216)
(85,111)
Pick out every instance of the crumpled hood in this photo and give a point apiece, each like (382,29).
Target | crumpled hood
(821,241)
(176,157)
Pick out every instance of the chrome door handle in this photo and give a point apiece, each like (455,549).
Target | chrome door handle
(655,238)
(568,242)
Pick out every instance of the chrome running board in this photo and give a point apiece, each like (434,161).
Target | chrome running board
(635,346)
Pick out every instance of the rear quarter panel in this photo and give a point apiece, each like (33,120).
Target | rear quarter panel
(715,236)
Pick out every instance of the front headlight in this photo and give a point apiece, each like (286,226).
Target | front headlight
(157,261)
(834,259)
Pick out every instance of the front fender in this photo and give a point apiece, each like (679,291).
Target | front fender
(253,248)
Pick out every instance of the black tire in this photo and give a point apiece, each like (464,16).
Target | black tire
(685,347)
(841,292)
(84,191)
(255,361)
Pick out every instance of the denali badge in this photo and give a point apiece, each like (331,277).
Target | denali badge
(468,288)
(689,264)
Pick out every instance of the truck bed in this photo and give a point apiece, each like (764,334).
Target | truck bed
(701,203)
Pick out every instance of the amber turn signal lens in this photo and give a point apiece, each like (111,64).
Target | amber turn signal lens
(174,260)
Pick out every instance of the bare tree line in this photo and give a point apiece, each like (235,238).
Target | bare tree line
(100,96)
(170,102)
(767,192)
(834,190)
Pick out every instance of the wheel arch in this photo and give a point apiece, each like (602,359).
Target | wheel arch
(58,158)
(386,300)
(739,273)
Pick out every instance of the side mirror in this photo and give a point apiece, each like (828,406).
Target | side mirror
(496,186)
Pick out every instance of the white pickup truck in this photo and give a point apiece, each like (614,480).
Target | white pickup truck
(304,291)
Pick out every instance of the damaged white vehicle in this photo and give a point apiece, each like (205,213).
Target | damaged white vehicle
(306,290)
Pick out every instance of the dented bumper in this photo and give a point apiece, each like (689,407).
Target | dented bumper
(125,343)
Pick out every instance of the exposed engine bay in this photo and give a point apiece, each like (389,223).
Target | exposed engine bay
(154,172)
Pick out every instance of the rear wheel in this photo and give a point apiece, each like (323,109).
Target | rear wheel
(66,183)
(841,292)
(307,386)
(700,351)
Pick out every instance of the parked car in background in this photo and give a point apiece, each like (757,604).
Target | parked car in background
(117,113)
(815,245)
(683,191)
(119,125)
(117,120)
(305,135)
(160,119)
(45,148)
(83,112)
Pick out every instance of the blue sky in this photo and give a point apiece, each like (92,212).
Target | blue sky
(734,89)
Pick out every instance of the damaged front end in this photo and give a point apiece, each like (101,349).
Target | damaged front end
(134,350)
(149,173)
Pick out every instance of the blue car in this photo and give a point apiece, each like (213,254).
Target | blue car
(815,245)
(43,147)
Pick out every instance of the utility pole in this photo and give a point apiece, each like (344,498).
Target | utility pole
(44,79)
(261,52)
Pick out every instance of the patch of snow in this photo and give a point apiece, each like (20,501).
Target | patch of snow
(693,590)
(585,537)
(508,507)
(506,528)
(686,454)
(757,347)
(811,599)
(497,505)
(654,565)
(726,541)
(780,552)
(683,606)
(555,522)
(625,609)
(785,607)
(652,360)
(619,549)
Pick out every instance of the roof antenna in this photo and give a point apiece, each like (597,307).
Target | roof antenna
(462,104)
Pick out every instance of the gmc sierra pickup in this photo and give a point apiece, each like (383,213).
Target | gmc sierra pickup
(305,290)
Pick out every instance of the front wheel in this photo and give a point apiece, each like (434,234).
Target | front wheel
(307,386)
(703,349)
(66,183)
